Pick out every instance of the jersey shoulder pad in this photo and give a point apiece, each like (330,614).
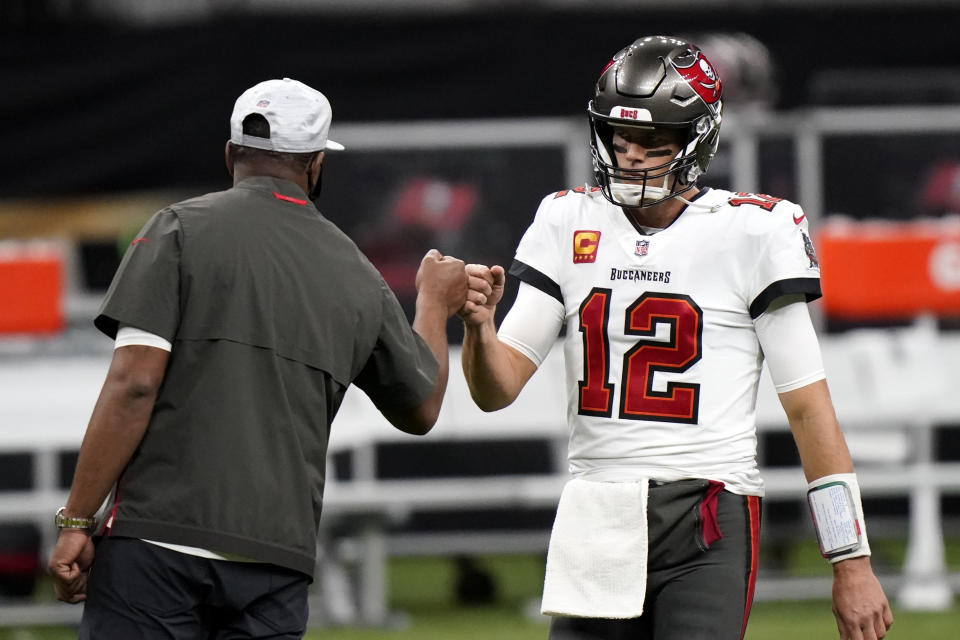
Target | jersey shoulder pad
(584,189)
(568,204)
(774,211)
(761,201)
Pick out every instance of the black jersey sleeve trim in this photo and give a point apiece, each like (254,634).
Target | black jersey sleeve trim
(526,273)
(809,287)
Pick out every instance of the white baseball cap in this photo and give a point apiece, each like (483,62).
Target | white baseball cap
(299,117)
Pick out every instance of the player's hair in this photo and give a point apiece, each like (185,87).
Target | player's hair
(256,125)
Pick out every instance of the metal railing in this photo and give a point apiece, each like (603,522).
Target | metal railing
(30,422)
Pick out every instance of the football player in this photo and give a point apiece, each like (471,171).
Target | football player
(672,296)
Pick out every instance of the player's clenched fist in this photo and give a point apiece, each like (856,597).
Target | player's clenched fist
(486,290)
(443,280)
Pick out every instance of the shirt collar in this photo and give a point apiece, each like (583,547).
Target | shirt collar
(281,189)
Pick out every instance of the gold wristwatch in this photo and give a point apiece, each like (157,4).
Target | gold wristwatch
(67,522)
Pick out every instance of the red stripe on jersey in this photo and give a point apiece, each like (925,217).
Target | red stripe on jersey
(753,514)
(280,196)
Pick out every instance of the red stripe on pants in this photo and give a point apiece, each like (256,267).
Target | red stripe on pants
(753,513)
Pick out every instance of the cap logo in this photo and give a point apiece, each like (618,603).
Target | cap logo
(263,103)
(585,246)
(701,77)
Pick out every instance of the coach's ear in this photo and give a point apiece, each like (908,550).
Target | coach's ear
(228,157)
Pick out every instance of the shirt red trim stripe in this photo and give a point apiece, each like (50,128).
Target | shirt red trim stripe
(280,196)
(107,528)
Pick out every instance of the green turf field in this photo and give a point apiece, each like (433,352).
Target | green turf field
(421,594)
(775,621)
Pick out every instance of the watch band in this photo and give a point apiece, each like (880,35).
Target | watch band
(67,522)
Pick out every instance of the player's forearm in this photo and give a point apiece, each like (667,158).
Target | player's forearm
(116,428)
(823,451)
(820,442)
(489,368)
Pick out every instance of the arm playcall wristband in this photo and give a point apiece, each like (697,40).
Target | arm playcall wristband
(837,513)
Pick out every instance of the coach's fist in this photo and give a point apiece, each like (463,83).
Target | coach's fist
(70,564)
(442,280)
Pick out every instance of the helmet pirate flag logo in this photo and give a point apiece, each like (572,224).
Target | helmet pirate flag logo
(701,77)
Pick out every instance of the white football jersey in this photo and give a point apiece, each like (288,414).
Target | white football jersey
(662,360)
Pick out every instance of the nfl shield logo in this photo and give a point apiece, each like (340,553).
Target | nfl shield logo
(642,247)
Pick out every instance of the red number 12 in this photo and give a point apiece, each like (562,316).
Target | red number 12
(680,402)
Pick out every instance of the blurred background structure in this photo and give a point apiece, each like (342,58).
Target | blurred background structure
(458,116)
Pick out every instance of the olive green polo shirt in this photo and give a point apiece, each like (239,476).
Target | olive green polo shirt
(272,313)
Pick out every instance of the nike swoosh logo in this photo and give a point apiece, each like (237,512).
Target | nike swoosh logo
(797,220)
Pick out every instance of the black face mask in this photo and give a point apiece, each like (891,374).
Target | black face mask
(315,189)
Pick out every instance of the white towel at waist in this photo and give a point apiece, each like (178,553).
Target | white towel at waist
(597,559)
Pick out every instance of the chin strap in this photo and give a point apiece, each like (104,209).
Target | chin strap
(710,208)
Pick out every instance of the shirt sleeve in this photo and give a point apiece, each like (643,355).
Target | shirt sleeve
(787,264)
(401,371)
(145,292)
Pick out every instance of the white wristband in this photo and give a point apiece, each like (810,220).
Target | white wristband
(837,512)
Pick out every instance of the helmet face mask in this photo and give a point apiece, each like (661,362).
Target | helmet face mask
(658,84)
(647,186)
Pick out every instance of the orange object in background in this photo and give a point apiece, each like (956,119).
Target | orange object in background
(890,269)
(31,287)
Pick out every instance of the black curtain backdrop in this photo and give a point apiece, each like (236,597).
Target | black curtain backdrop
(94,108)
